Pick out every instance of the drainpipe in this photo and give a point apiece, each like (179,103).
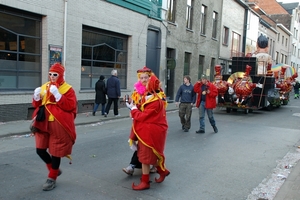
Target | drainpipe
(65,34)
(245,30)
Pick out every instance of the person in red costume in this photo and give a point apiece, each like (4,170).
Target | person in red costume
(150,129)
(136,96)
(55,106)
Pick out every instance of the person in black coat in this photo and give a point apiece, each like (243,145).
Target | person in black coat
(100,97)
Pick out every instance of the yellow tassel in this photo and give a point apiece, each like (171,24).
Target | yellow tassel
(70,157)
(51,118)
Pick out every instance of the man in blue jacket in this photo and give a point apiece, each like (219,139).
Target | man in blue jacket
(187,98)
(113,92)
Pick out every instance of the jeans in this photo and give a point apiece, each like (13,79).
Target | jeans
(102,108)
(210,115)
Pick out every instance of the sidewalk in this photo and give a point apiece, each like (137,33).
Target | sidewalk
(290,190)
(22,127)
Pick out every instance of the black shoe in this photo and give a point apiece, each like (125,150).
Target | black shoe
(200,131)
(215,129)
(93,113)
(182,127)
(186,130)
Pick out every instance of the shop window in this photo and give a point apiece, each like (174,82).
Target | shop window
(20,50)
(102,51)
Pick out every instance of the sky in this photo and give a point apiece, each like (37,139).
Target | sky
(288,1)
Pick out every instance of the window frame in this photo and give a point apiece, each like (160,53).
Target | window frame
(171,11)
(215,24)
(203,19)
(23,69)
(189,14)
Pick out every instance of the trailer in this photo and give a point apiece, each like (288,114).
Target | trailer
(260,90)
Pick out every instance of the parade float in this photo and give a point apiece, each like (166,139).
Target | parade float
(254,82)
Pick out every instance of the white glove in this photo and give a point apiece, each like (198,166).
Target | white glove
(259,85)
(55,92)
(36,95)
(131,106)
(133,147)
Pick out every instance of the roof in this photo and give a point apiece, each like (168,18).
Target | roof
(289,7)
(270,6)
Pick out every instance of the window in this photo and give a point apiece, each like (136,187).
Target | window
(203,20)
(277,57)
(235,49)
(225,35)
(189,14)
(285,59)
(102,51)
(286,42)
(20,50)
(282,42)
(215,23)
(278,38)
(171,10)
(270,47)
(187,63)
(201,65)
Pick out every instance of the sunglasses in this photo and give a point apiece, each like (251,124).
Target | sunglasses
(53,74)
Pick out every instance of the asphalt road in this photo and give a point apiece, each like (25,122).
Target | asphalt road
(226,165)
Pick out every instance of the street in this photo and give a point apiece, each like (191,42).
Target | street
(229,164)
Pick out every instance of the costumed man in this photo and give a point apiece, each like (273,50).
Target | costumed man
(150,129)
(264,60)
(143,76)
(55,106)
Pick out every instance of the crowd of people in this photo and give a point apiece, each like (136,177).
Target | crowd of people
(55,106)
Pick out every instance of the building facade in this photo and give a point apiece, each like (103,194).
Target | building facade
(192,43)
(90,38)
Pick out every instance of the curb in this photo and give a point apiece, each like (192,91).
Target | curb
(76,124)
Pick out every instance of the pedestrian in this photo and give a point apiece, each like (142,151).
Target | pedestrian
(54,115)
(100,97)
(137,94)
(187,98)
(150,129)
(206,101)
(296,89)
(113,92)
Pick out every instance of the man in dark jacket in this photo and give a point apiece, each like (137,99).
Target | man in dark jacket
(113,92)
(187,98)
(100,97)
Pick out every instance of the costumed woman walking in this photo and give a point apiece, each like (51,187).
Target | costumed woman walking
(55,106)
(150,129)
(136,96)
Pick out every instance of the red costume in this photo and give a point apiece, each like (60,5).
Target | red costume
(150,129)
(56,132)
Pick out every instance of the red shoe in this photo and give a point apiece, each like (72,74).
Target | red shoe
(144,184)
(162,175)
(141,186)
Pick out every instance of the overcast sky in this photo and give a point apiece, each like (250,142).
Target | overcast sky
(288,1)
